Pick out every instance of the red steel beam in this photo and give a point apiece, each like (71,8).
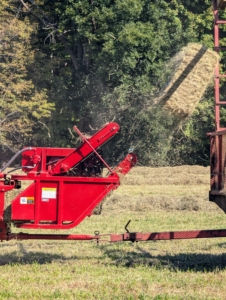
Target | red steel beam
(86,148)
(171,235)
(217,73)
(221,22)
(124,237)
(75,237)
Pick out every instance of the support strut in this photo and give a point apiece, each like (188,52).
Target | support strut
(63,237)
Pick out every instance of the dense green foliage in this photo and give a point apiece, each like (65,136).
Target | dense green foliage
(23,104)
(104,60)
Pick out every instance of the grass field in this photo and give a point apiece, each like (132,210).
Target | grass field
(155,200)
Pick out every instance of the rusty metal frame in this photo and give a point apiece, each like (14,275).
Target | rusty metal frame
(217,22)
(218,138)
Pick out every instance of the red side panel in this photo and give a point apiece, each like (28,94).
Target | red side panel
(45,200)
(23,208)
(82,200)
(51,204)
(62,202)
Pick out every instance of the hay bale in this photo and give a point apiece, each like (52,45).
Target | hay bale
(192,70)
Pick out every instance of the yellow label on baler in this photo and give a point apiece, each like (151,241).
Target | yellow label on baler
(27,200)
(49,193)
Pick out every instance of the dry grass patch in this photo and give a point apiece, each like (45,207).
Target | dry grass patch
(166,188)
(182,269)
(83,270)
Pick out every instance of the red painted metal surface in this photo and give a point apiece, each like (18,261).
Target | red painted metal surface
(169,235)
(6,235)
(218,76)
(61,202)
(58,197)
(82,136)
(115,238)
(63,237)
(103,135)
(218,138)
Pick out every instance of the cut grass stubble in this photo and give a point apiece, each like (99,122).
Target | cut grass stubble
(183,269)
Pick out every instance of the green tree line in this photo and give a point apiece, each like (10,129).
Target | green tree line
(88,62)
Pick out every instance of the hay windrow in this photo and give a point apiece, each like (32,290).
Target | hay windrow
(192,70)
(181,188)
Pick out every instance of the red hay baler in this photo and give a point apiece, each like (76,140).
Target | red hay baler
(66,185)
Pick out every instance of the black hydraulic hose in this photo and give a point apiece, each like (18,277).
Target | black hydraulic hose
(14,157)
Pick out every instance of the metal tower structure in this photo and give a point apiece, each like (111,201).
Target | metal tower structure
(218,5)
(218,138)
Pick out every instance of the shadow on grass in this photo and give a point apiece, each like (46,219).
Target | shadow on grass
(28,258)
(196,262)
(24,257)
(221,245)
(121,257)
(23,254)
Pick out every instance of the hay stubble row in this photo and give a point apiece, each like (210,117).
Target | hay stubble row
(154,270)
(162,189)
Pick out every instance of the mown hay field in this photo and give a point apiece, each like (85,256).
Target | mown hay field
(155,199)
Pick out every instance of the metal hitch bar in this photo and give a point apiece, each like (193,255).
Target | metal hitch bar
(124,237)
(168,235)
